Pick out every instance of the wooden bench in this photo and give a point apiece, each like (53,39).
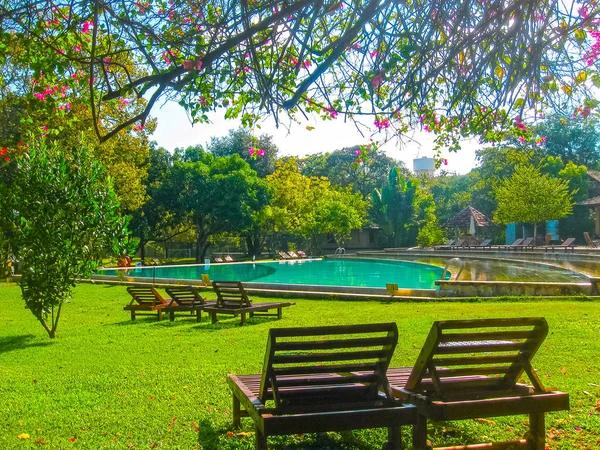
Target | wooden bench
(471,369)
(323,379)
(567,244)
(145,301)
(186,298)
(232,299)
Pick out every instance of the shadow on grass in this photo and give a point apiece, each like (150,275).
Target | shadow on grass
(10,343)
(211,438)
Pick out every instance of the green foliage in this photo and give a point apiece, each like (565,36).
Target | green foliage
(310,207)
(400,63)
(342,169)
(393,208)
(214,195)
(429,231)
(529,196)
(64,215)
(574,139)
(240,141)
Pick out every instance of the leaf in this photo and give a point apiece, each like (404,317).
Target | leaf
(581,77)
(23,436)
(499,71)
(567,89)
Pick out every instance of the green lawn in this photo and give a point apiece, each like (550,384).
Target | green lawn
(106,382)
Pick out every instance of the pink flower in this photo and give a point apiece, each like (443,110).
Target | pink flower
(373,53)
(356,152)
(77,48)
(539,141)
(382,123)
(332,112)
(246,69)
(356,45)
(261,152)
(86,26)
(520,125)
(294,62)
(307,63)
(522,140)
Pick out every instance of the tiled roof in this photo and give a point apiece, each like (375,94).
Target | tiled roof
(594,201)
(463,219)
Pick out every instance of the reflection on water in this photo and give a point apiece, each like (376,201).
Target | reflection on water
(564,271)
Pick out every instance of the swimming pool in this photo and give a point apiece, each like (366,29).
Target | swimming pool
(320,272)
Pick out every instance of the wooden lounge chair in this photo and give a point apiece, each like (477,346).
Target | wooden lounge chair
(284,255)
(568,243)
(525,244)
(511,246)
(301,254)
(186,298)
(447,246)
(457,244)
(145,301)
(322,379)
(471,369)
(228,258)
(217,259)
(232,299)
(486,243)
(293,255)
(589,242)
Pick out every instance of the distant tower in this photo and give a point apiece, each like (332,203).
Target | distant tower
(424,165)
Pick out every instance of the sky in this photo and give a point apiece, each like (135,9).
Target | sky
(175,130)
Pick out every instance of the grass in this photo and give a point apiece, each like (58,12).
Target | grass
(106,382)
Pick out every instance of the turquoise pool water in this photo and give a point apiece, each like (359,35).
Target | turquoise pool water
(327,272)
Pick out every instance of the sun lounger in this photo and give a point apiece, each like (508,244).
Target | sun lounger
(568,243)
(186,298)
(146,301)
(301,254)
(323,379)
(232,299)
(470,369)
(589,242)
(284,255)
(228,258)
(486,243)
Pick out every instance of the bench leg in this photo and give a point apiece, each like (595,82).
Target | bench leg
(198,315)
(420,433)
(279,313)
(236,412)
(261,440)
(537,429)
(213,317)
(171,315)
(244,323)
(132,314)
(394,438)
(159,315)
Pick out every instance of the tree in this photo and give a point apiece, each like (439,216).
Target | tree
(392,207)
(529,196)
(60,114)
(260,152)
(342,169)
(450,66)
(215,195)
(575,139)
(63,213)
(309,208)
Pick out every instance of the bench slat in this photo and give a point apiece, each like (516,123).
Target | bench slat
(324,357)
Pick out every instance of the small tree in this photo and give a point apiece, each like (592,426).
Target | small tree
(63,214)
(529,196)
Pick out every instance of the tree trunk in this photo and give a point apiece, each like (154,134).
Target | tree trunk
(535,233)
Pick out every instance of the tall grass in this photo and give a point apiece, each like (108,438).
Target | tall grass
(107,382)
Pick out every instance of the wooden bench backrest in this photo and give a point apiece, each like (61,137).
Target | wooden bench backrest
(569,242)
(231,294)
(487,354)
(185,295)
(516,243)
(146,295)
(485,243)
(329,366)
